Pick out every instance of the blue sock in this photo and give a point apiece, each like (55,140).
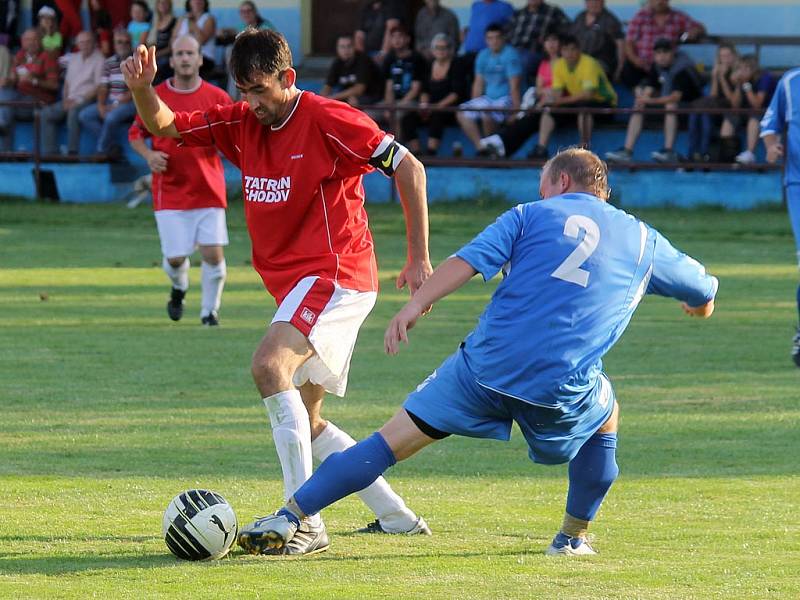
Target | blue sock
(343,473)
(591,474)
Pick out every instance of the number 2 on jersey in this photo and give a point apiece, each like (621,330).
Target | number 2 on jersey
(570,270)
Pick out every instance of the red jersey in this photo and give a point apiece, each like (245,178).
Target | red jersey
(194,177)
(304,201)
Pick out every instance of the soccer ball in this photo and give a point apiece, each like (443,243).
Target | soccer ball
(199,525)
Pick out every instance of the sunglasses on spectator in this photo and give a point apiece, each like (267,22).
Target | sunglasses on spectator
(438,47)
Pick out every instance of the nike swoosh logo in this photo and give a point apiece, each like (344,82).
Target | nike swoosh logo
(388,160)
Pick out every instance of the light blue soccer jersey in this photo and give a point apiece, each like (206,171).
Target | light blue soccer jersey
(575,269)
(784,111)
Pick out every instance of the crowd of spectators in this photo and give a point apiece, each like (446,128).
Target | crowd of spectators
(513,60)
(502,64)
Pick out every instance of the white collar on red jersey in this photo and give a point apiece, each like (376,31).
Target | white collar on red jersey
(178,91)
(294,108)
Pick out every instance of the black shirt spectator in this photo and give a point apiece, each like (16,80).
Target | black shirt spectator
(403,70)
(353,77)
(680,76)
(600,35)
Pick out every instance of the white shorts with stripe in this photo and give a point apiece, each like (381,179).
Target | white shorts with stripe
(486,102)
(330,317)
(181,231)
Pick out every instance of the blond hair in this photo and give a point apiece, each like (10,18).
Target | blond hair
(586,170)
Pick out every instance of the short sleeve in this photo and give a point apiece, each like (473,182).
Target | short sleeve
(492,247)
(357,141)
(615,27)
(333,75)
(480,62)
(218,126)
(774,119)
(591,78)
(512,63)
(679,276)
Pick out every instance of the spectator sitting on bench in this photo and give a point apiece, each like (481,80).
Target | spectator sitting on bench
(578,81)
(654,22)
(672,82)
(52,41)
(403,71)
(444,86)
(33,77)
(600,35)
(84,75)
(753,88)
(114,109)
(496,86)
(353,76)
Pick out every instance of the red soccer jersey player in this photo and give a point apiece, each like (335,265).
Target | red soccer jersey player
(194,176)
(302,157)
(188,188)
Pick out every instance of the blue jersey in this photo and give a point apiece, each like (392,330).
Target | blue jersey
(784,111)
(575,269)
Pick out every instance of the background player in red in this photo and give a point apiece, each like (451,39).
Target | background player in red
(189,209)
(302,157)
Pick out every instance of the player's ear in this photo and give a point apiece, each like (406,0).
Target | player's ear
(564,181)
(288,78)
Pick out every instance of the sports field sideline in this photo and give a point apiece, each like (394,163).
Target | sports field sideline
(109,410)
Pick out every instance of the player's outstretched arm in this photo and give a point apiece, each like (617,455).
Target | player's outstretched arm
(139,71)
(448,277)
(410,180)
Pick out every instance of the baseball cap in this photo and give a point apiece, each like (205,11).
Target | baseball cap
(46,11)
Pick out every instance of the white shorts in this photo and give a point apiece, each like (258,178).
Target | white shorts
(181,231)
(486,102)
(330,317)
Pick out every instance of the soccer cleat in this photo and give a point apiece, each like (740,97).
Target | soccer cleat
(796,347)
(621,155)
(279,535)
(564,545)
(665,155)
(175,304)
(745,158)
(420,528)
(210,320)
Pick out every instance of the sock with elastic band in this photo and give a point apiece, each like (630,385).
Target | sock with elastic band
(591,474)
(388,506)
(343,473)
(212,280)
(179,276)
(291,431)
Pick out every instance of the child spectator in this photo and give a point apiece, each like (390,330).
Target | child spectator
(140,22)
(52,41)
(753,89)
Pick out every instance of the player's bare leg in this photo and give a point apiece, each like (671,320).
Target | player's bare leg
(470,128)
(591,474)
(177,269)
(212,280)
(392,514)
(281,352)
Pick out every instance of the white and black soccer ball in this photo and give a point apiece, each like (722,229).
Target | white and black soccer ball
(199,525)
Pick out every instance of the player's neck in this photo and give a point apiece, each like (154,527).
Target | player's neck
(288,108)
(186,83)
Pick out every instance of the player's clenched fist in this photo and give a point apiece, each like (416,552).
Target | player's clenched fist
(139,70)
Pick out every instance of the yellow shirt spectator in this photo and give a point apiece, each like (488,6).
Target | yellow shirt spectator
(587,75)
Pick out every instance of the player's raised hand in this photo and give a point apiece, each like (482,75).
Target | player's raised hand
(397,331)
(774,152)
(139,70)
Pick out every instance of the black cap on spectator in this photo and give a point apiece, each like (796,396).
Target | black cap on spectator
(663,44)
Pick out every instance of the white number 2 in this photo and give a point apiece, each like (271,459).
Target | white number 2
(570,270)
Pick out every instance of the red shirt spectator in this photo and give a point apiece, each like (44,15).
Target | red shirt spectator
(659,21)
(36,75)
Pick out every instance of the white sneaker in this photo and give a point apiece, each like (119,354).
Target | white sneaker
(746,158)
(564,545)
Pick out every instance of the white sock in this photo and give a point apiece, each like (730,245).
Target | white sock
(388,507)
(212,280)
(291,431)
(496,141)
(178,275)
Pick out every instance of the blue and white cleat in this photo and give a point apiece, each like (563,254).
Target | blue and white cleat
(564,545)
(272,535)
(420,528)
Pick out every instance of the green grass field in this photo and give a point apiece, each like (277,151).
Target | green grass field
(109,410)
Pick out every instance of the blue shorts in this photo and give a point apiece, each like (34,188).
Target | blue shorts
(793,204)
(451,401)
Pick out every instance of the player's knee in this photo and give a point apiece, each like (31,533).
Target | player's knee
(176,261)
(217,270)
(269,373)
